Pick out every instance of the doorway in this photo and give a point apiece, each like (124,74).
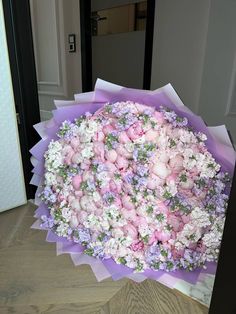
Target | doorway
(116,39)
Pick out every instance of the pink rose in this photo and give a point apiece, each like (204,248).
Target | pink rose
(174,222)
(82,215)
(107,129)
(135,131)
(151,135)
(122,151)
(68,157)
(98,211)
(188,184)
(99,137)
(123,138)
(75,142)
(76,181)
(154,181)
(131,231)
(79,193)
(127,203)
(105,189)
(162,208)
(201,248)
(75,205)
(76,158)
(74,221)
(129,214)
(152,239)
(111,155)
(137,246)
(139,220)
(162,236)
(159,117)
(115,186)
(171,178)
(161,170)
(99,150)
(122,163)
(176,163)
(186,219)
(61,198)
(85,165)
(110,166)
(118,202)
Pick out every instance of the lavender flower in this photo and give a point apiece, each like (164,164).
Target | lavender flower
(173,118)
(48,222)
(109,197)
(82,235)
(48,196)
(68,130)
(142,171)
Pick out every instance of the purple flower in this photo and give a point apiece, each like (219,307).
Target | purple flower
(173,118)
(139,181)
(98,251)
(148,112)
(91,185)
(142,171)
(48,222)
(135,154)
(129,177)
(109,197)
(83,235)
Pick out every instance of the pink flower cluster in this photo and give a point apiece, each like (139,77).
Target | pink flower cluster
(137,185)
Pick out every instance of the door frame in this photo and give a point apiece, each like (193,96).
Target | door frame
(23,72)
(21,53)
(86,44)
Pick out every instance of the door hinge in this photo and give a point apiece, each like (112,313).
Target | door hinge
(18,118)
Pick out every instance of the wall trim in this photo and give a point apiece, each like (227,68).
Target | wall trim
(229,112)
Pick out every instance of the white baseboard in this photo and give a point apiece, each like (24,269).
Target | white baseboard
(45,115)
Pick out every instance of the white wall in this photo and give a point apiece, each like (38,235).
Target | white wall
(58,71)
(219,76)
(180,33)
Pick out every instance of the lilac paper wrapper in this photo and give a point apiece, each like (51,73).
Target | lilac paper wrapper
(218,144)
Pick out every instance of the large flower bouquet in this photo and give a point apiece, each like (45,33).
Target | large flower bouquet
(134,180)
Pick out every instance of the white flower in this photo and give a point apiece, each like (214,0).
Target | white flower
(53,157)
(96,196)
(129,147)
(92,221)
(103,177)
(62,229)
(105,224)
(50,178)
(171,188)
(111,247)
(144,230)
(87,152)
(66,213)
(140,140)
(92,127)
(200,218)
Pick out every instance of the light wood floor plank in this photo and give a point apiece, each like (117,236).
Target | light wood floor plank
(34,280)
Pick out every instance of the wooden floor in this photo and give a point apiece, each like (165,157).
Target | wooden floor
(34,280)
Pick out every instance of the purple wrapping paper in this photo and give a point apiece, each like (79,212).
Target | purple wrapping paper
(217,143)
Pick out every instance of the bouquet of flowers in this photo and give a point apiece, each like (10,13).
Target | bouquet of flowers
(134,181)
